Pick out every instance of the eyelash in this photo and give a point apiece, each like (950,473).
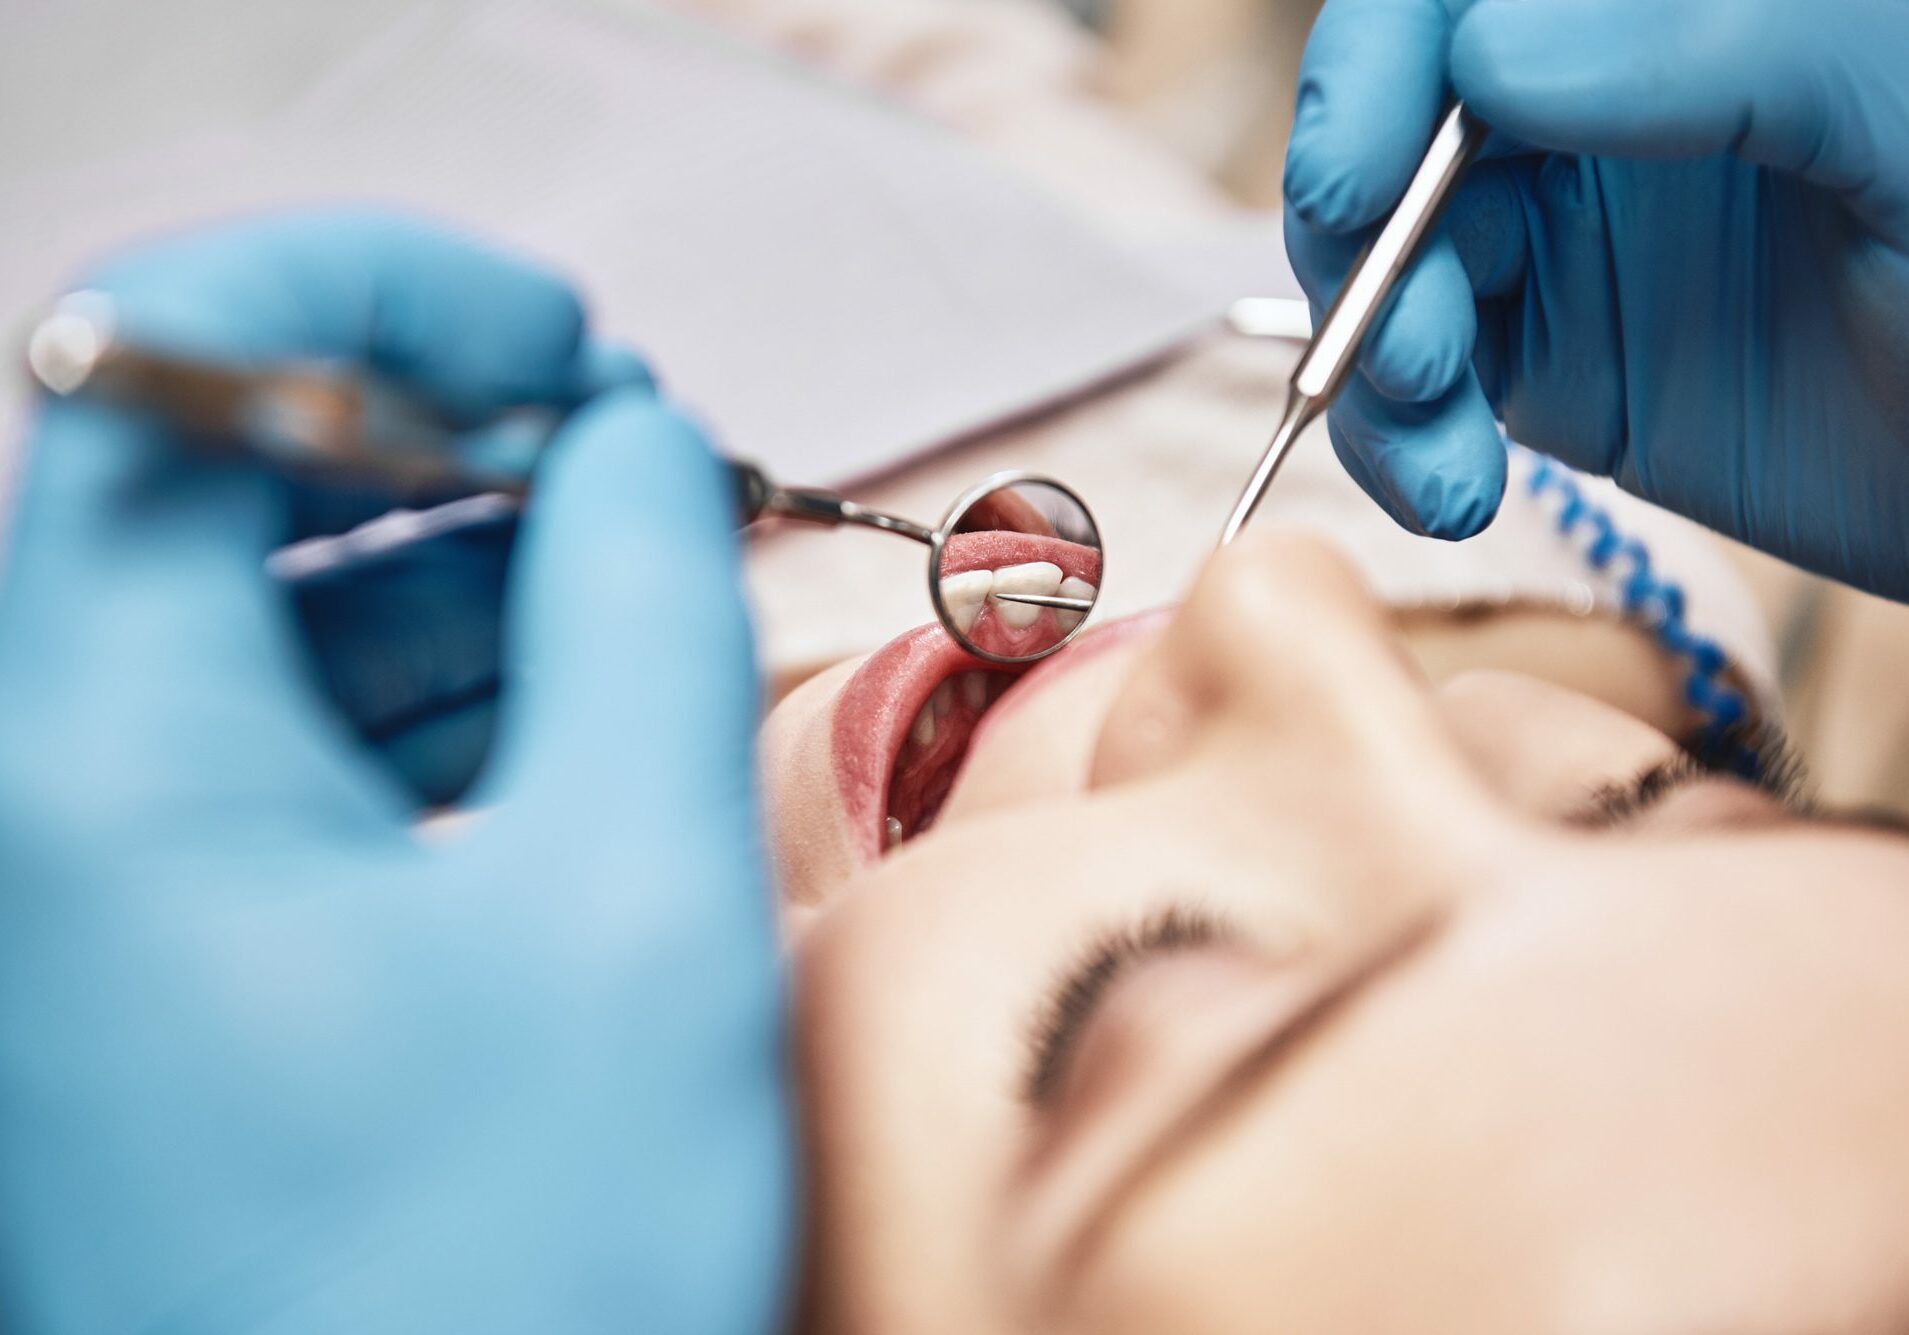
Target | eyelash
(1779,773)
(1072,1002)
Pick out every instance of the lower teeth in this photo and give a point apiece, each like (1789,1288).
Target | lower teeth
(956,703)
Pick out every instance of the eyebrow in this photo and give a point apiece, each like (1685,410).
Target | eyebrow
(1284,1037)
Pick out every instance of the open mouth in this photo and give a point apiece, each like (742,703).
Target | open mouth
(904,721)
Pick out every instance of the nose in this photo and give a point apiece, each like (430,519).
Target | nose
(1285,668)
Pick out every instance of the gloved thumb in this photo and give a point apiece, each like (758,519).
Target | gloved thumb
(1810,89)
(629,671)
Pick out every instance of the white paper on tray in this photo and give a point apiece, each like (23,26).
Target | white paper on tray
(832,283)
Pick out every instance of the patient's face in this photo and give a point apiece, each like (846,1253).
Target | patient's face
(1242,981)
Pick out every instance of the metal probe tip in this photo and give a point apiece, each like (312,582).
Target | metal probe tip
(1300,411)
(1046,600)
(1333,353)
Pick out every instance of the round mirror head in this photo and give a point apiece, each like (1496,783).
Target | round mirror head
(1015,568)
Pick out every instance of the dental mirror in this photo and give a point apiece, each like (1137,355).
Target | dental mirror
(1015,568)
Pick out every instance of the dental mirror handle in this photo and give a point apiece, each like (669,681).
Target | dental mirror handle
(1334,350)
(322,420)
(315,418)
(378,539)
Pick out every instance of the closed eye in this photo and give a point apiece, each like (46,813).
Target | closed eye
(1074,998)
(1779,775)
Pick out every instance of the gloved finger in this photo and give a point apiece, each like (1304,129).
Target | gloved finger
(1437,468)
(630,678)
(1422,341)
(604,364)
(144,657)
(1561,380)
(409,647)
(1485,222)
(1810,89)
(473,329)
(138,566)
(1490,352)
(1371,92)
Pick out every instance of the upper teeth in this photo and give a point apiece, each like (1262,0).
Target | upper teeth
(965,594)
(1073,587)
(1042,577)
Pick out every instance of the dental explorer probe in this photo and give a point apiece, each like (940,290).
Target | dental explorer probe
(1334,350)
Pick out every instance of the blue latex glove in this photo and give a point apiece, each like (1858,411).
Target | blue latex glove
(408,646)
(269,1060)
(1685,264)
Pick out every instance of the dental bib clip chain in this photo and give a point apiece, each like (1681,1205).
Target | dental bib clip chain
(1655,605)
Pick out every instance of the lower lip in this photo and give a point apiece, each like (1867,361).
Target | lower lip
(872,717)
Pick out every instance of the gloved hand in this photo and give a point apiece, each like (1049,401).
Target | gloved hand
(1685,263)
(270,1059)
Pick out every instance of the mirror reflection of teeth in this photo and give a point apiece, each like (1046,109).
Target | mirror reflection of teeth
(1073,587)
(963,595)
(1042,577)
(966,594)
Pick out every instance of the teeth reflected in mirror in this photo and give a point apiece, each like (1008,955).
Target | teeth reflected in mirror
(1081,591)
(1037,577)
(964,595)
(1018,570)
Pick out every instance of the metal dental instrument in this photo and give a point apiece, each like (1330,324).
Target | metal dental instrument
(1334,350)
(1053,521)
(324,421)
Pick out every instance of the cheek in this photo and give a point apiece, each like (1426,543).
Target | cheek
(1543,749)
(803,817)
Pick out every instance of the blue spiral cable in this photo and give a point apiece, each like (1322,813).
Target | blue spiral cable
(1655,605)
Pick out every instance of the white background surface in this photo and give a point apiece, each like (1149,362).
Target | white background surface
(833,284)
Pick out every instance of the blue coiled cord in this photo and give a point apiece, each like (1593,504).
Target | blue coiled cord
(1655,605)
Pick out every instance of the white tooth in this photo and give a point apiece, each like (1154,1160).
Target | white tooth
(923,733)
(943,699)
(974,690)
(1035,577)
(963,595)
(892,831)
(1073,587)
